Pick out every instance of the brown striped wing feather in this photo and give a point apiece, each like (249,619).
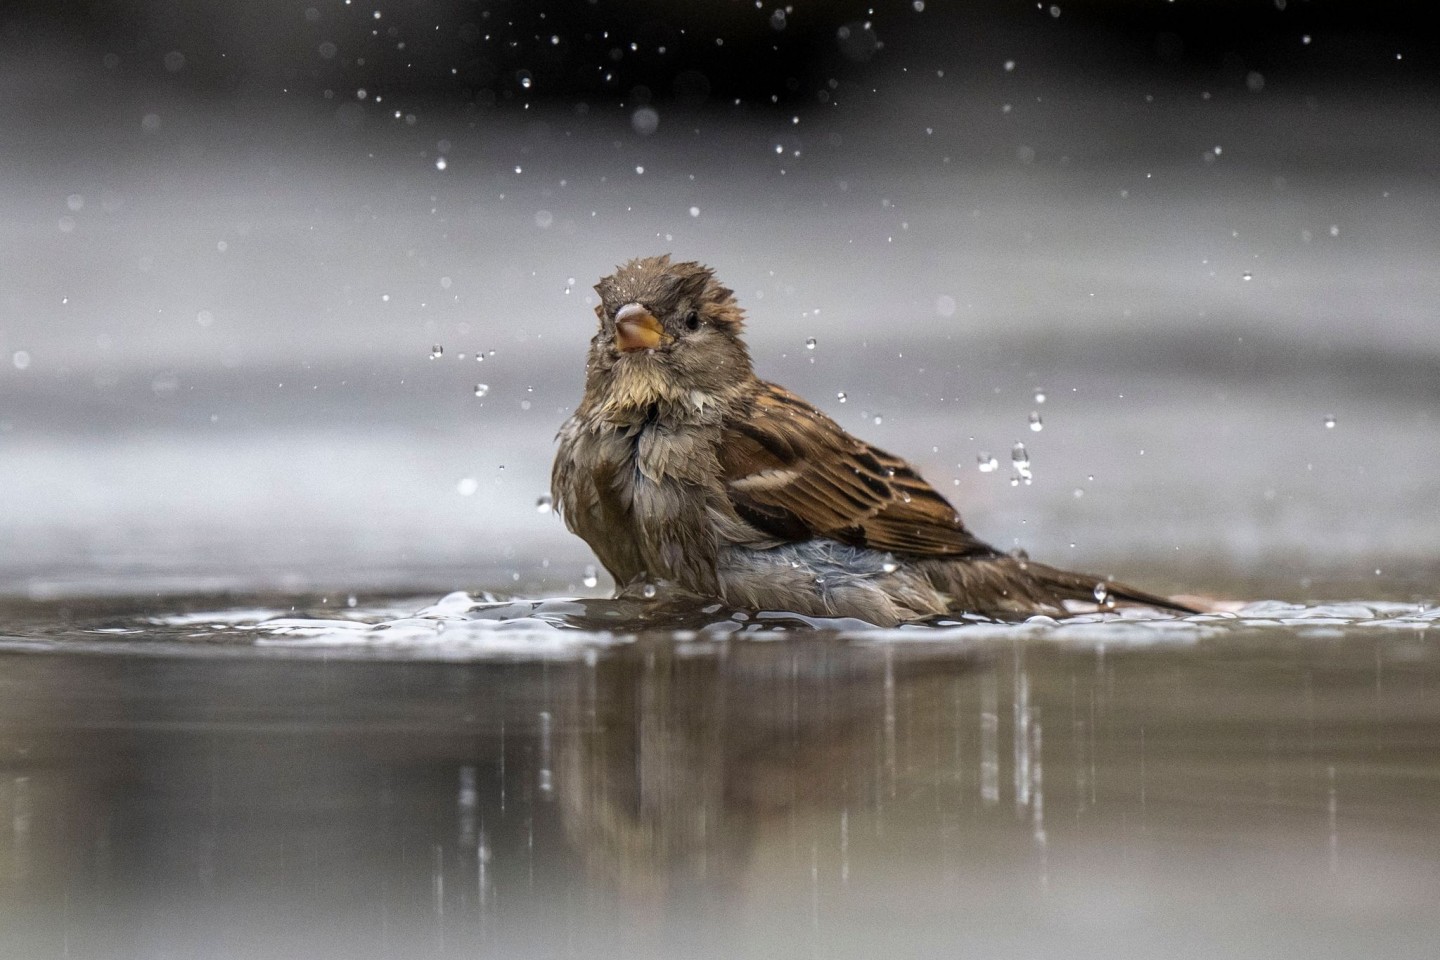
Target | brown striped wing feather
(794,474)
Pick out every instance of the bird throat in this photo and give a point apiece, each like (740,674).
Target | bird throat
(640,392)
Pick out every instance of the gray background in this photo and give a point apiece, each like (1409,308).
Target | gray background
(220,283)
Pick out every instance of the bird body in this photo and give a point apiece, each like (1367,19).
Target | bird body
(682,468)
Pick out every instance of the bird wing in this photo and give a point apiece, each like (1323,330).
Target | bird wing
(794,474)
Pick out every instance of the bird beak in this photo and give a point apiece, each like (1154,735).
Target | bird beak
(637,329)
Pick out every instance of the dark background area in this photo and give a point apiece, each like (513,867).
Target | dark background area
(604,51)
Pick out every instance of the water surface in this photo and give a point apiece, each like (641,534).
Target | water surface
(416,778)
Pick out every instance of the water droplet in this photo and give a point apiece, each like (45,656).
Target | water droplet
(889,566)
(591,578)
(879,419)
(987,463)
(544,504)
(1247,276)
(1039,394)
(648,591)
(440,163)
(1035,423)
(841,396)
(809,343)
(481,389)
(645,121)
(436,352)
(21,359)
(467,486)
(694,211)
(1102,594)
(1020,461)
(1330,422)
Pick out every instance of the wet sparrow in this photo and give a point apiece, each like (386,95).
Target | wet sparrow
(682,468)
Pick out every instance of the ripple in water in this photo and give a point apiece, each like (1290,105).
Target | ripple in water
(463,627)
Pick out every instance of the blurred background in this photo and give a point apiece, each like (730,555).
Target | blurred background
(294,296)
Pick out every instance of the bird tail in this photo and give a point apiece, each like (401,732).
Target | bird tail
(1068,585)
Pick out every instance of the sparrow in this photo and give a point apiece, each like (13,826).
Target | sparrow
(685,471)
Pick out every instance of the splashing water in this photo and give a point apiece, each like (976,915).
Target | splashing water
(1020,462)
(461,627)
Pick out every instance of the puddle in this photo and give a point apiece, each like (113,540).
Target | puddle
(253,778)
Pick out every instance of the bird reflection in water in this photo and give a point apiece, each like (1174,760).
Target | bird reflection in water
(680,770)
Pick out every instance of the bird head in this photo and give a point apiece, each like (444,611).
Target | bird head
(668,332)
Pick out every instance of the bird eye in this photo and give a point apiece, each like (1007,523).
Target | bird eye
(692,320)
